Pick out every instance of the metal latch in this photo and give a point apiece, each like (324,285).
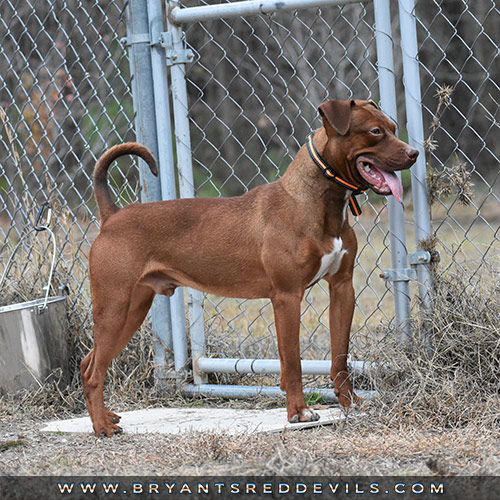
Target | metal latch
(399,274)
(135,39)
(415,259)
(174,56)
(421,257)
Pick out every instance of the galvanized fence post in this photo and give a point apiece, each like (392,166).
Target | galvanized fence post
(177,57)
(387,85)
(415,128)
(167,171)
(139,43)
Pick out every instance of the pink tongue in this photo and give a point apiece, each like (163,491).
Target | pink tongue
(394,184)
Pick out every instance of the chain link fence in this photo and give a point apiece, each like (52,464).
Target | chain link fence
(64,98)
(253,90)
(460,74)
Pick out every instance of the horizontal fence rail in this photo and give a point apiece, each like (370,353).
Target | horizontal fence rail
(246,391)
(180,15)
(257,366)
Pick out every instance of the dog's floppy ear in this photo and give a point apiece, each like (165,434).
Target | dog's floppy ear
(336,115)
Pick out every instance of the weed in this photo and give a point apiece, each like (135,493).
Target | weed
(314,398)
(456,177)
(9,445)
(457,382)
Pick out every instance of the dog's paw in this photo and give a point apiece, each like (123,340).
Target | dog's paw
(113,416)
(305,415)
(108,433)
(108,427)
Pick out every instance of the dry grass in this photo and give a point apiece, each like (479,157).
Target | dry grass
(451,375)
(360,445)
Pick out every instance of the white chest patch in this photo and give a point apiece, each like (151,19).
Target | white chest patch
(330,262)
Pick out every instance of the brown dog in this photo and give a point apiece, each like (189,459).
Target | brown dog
(274,241)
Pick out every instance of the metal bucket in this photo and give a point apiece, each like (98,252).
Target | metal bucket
(34,334)
(33,342)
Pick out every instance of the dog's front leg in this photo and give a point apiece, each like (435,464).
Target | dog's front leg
(341,313)
(287,315)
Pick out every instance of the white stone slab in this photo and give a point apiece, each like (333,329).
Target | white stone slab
(181,420)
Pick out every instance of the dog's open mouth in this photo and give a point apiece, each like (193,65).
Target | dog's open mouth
(379,180)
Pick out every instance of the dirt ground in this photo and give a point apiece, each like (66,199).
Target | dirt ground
(357,446)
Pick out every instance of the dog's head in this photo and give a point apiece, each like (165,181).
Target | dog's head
(363,147)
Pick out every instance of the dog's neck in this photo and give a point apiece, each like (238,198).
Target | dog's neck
(305,183)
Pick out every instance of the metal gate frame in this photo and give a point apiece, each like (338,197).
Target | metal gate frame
(153,52)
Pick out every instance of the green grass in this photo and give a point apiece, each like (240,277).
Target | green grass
(8,445)
(315,398)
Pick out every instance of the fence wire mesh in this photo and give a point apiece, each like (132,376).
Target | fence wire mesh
(254,88)
(64,98)
(459,56)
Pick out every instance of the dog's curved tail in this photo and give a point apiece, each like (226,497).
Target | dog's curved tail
(101,190)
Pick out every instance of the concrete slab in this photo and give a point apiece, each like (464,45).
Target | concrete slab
(181,420)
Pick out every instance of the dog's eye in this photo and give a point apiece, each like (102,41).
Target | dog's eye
(375,131)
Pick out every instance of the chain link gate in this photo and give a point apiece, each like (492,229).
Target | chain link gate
(229,114)
(253,87)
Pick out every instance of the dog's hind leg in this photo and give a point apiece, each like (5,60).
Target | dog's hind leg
(114,326)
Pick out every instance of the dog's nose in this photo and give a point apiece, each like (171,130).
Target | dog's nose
(412,153)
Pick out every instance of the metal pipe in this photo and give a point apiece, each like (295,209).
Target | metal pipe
(143,93)
(197,333)
(260,366)
(415,127)
(186,190)
(388,103)
(179,338)
(162,102)
(146,133)
(247,8)
(245,391)
(167,170)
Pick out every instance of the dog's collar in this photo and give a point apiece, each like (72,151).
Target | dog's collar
(331,175)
